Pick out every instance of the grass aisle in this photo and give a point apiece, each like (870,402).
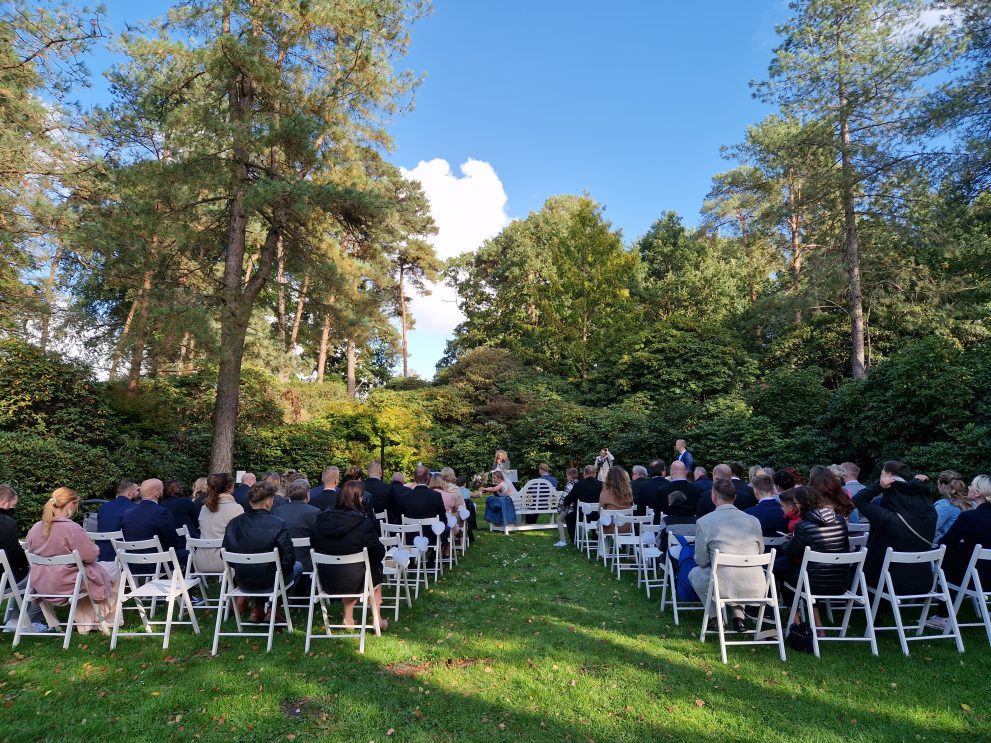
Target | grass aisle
(521,642)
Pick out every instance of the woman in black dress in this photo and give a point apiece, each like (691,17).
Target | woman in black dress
(344,530)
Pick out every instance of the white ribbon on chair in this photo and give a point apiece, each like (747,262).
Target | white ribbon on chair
(452,520)
(464,513)
(421,542)
(649,539)
(438,528)
(402,557)
(605,519)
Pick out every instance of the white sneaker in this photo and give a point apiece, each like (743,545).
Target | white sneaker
(10,625)
(40,627)
(940,623)
(560,544)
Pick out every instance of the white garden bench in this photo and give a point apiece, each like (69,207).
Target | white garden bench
(537,498)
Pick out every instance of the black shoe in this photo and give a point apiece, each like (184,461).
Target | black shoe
(739,625)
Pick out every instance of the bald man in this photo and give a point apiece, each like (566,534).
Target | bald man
(148,520)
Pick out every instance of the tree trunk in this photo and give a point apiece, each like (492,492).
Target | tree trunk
(795,226)
(854,291)
(352,369)
(324,345)
(140,328)
(119,346)
(281,322)
(300,303)
(46,314)
(402,310)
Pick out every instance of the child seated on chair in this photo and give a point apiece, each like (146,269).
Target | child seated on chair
(563,511)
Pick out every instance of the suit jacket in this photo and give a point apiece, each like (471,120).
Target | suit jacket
(422,503)
(688,460)
(692,493)
(11,545)
(733,532)
(645,496)
(326,500)
(184,513)
(745,497)
(109,518)
(771,516)
(381,494)
(148,519)
(300,518)
(241,496)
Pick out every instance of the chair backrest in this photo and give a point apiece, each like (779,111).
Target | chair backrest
(138,545)
(674,546)
(863,526)
(382,515)
(833,558)
(774,541)
(105,536)
(183,531)
(980,554)
(934,557)
(389,542)
(421,522)
(204,544)
(300,541)
(538,494)
(352,559)
(251,558)
(166,561)
(7,583)
(727,560)
(858,542)
(586,508)
(71,559)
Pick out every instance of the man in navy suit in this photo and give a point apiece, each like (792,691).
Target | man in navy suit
(684,456)
(111,515)
(241,491)
(422,503)
(326,497)
(745,497)
(768,510)
(646,494)
(148,519)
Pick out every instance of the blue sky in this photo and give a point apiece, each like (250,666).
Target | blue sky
(629,101)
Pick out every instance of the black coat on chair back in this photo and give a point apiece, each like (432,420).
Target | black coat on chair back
(345,533)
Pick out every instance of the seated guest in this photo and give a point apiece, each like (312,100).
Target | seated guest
(638,475)
(971,528)
(545,474)
(645,495)
(850,482)
(111,514)
(719,472)
(199,491)
(184,511)
(346,530)
(275,480)
(219,507)
(953,501)
(702,481)
(677,481)
(733,532)
(458,493)
(354,472)
(241,491)
(789,507)
(57,534)
(423,503)
(439,485)
(768,510)
(19,565)
(257,531)
(824,531)
(327,497)
(745,497)
(563,511)
(299,516)
(586,490)
(149,520)
(399,489)
(381,492)
(616,495)
(903,519)
(831,489)
(472,523)
(783,481)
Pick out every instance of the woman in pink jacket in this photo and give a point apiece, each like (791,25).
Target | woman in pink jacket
(57,534)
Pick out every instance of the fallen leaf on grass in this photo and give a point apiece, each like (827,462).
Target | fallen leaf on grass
(699,702)
(965,707)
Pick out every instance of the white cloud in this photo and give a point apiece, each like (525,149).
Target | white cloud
(468,209)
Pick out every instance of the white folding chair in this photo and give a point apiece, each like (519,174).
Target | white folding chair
(774,542)
(435,525)
(230,592)
(463,540)
(168,584)
(649,556)
(858,542)
(410,537)
(767,602)
(395,575)
(80,591)
(971,587)
(626,545)
(607,518)
(301,602)
(106,536)
(319,596)
(10,594)
(931,561)
(671,573)
(203,577)
(854,597)
(585,527)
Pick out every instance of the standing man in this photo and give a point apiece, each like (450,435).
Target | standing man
(684,456)
(111,515)
(729,530)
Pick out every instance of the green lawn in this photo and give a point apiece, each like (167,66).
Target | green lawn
(521,642)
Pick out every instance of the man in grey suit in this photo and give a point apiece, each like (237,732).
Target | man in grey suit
(733,532)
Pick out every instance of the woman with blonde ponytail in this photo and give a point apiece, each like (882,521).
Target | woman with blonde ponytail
(57,534)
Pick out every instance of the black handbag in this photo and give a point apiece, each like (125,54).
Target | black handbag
(800,637)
